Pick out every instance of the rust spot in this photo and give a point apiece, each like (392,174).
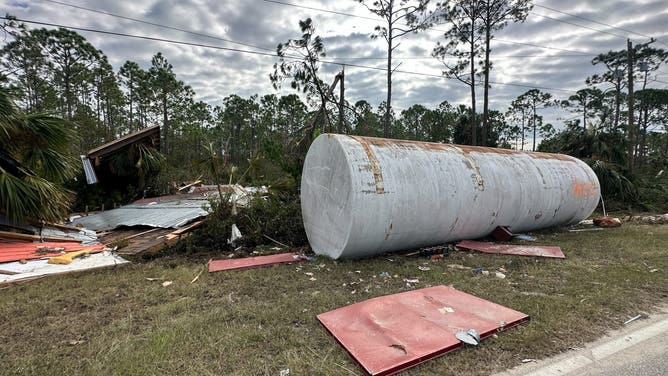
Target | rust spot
(470,163)
(407,144)
(584,189)
(537,216)
(374,166)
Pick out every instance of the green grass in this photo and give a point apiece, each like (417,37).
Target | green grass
(258,322)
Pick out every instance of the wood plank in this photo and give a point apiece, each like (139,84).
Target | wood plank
(19,236)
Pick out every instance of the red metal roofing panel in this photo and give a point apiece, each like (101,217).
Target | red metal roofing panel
(512,249)
(26,251)
(254,262)
(391,333)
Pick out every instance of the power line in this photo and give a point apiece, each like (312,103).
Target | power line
(159,25)
(265,53)
(432,57)
(431,28)
(581,53)
(597,22)
(578,25)
(321,10)
(270,49)
(141,37)
(539,46)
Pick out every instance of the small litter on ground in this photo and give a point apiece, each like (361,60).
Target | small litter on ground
(503,234)
(607,222)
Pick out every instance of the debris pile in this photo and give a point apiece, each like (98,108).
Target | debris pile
(660,219)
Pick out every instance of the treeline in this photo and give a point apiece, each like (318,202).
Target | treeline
(57,71)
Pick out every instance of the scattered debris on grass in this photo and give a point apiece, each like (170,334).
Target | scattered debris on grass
(650,219)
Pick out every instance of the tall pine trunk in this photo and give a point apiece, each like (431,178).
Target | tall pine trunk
(388,106)
(485,103)
(474,131)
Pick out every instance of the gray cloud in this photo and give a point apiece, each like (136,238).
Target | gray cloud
(214,74)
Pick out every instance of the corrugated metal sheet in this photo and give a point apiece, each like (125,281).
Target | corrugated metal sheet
(512,249)
(150,135)
(391,333)
(254,262)
(165,214)
(28,251)
(91,177)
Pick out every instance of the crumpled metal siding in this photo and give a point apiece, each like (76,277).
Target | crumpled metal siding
(391,333)
(172,214)
(91,177)
(362,196)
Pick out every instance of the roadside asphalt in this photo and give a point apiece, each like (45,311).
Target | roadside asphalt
(640,348)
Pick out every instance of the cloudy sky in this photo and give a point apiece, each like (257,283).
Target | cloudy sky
(548,50)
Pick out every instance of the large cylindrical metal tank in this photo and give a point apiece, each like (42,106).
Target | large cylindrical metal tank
(362,196)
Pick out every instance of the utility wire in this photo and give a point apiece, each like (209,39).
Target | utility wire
(597,22)
(581,53)
(432,57)
(267,53)
(431,28)
(322,10)
(539,46)
(578,25)
(159,25)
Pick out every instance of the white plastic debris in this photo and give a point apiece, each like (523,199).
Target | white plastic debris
(236,235)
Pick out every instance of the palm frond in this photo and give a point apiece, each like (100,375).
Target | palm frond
(32,197)
(613,182)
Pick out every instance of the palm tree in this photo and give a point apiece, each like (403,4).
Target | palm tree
(34,162)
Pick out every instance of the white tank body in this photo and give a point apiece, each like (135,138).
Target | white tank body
(362,196)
